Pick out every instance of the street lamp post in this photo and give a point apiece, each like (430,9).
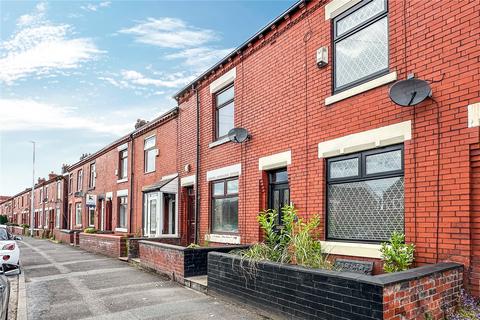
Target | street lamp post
(32,198)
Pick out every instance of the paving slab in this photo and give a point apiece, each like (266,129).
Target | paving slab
(62,282)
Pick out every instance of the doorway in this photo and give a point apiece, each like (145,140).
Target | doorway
(279,191)
(190,207)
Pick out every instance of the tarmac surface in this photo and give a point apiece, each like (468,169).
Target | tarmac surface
(63,282)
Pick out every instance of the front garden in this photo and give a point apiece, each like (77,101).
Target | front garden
(290,274)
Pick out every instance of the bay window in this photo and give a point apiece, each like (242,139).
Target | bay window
(365,195)
(225,206)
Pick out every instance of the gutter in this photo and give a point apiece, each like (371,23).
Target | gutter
(131,193)
(197,168)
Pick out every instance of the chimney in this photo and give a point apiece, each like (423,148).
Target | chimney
(40,180)
(52,175)
(140,123)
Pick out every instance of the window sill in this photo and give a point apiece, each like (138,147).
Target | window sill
(219,142)
(122,180)
(121,230)
(148,172)
(223,238)
(390,77)
(366,250)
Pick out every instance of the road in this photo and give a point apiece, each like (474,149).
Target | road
(63,282)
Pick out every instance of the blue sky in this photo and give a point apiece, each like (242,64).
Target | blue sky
(74,76)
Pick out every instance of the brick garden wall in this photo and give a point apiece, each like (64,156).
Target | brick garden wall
(302,293)
(163,258)
(106,244)
(64,236)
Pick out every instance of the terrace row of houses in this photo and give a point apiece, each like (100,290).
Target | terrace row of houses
(324,136)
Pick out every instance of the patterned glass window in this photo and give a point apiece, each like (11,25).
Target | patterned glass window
(344,168)
(369,206)
(360,44)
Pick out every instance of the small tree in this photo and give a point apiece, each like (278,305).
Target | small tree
(3,219)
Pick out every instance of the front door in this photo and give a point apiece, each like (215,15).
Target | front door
(190,206)
(108,215)
(151,214)
(279,191)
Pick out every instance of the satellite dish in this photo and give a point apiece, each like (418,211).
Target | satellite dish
(410,92)
(238,135)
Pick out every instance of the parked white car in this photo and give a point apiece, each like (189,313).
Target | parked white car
(9,250)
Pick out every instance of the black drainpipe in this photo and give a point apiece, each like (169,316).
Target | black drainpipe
(197,167)
(131,193)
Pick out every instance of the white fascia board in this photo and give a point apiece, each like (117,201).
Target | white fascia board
(223,81)
(372,84)
(374,138)
(474,115)
(122,193)
(336,7)
(352,249)
(275,161)
(225,172)
(187,181)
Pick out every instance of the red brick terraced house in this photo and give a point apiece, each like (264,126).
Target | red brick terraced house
(6,205)
(312,89)
(49,204)
(100,185)
(21,207)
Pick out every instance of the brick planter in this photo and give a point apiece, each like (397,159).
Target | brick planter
(16,230)
(298,292)
(107,244)
(176,261)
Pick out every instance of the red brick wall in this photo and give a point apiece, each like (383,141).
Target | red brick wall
(109,245)
(434,295)
(165,164)
(63,237)
(474,279)
(165,259)
(271,102)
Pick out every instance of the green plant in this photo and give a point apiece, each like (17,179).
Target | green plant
(193,246)
(90,230)
(396,254)
(295,241)
(24,226)
(3,219)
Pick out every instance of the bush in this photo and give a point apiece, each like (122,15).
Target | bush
(90,230)
(294,242)
(25,226)
(396,254)
(193,246)
(3,219)
(468,308)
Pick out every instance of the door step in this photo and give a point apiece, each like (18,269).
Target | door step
(198,283)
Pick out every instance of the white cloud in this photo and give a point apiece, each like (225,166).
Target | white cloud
(96,6)
(170,33)
(200,59)
(40,48)
(131,79)
(28,114)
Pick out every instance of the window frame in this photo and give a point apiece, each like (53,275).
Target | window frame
(362,176)
(218,107)
(121,174)
(78,205)
(119,204)
(80,180)
(59,190)
(91,177)
(91,223)
(145,153)
(224,196)
(335,39)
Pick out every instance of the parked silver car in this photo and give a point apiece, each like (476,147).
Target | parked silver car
(5,290)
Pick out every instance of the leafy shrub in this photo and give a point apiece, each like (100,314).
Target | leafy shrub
(25,226)
(193,246)
(294,242)
(90,230)
(3,219)
(468,308)
(396,254)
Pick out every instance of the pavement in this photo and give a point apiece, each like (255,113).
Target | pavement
(63,282)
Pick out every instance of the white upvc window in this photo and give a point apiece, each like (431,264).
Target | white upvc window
(93,175)
(91,216)
(150,152)
(57,218)
(78,213)
(59,190)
